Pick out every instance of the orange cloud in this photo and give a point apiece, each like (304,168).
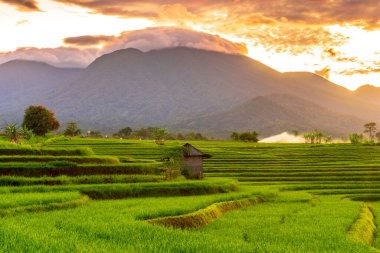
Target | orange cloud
(364,13)
(363,71)
(325,72)
(294,40)
(23,5)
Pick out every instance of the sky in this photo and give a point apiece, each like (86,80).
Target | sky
(337,39)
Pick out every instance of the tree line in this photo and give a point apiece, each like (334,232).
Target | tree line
(38,121)
(368,136)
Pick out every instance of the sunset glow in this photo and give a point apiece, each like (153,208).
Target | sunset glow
(325,34)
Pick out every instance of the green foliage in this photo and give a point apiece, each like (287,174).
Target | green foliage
(159,136)
(72,129)
(172,162)
(12,132)
(26,133)
(40,120)
(192,136)
(356,138)
(123,133)
(245,136)
(316,137)
(94,134)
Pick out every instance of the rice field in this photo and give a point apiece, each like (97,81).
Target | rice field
(101,195)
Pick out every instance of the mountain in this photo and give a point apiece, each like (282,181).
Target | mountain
(158,87)
(274,114)
(23,83)
(171,86)
(369,93)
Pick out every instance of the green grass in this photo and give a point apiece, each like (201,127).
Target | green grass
(66,180)
(76,159)
(22,150)
(363,229)
(14,203)
(206,215)
(313,193)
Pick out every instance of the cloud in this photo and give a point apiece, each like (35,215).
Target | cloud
(23,5)
(88,40)
(283,138)
(364,13)
(168,37)
(81,51)
(339,56)
(60,57)
(325,72)
(22,22)
(360,71)
(294,40)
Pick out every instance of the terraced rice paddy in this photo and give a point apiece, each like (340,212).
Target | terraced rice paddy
(99,195)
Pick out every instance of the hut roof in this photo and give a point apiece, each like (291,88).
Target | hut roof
(191,151)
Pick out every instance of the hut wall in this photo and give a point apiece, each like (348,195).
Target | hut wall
(194,165)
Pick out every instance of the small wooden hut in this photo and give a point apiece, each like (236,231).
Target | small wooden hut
(192,162)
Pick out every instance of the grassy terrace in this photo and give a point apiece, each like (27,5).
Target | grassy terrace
(100,194)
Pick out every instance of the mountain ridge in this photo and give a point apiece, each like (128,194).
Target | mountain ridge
(164,87)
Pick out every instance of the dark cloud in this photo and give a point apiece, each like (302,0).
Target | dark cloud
(88,40)
(23,5)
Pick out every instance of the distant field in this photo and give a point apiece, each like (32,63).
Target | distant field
(98,194)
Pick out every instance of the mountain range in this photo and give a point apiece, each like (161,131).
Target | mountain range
(185,89)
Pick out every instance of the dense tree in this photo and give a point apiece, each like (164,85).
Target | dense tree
(316,137)
(327,139)
(172,162)
(94,134)
(235,136)
(180,137)
(195,136)
(26,134)
(245,136)
(40,120)
(370,129)
(159,136)
(72,129)
(123,133)
(356,138)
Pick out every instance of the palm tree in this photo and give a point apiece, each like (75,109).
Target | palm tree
(12,132)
